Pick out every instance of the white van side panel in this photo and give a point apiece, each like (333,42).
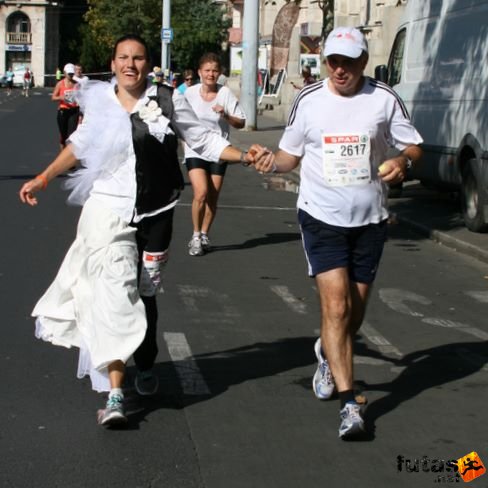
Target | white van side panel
(444,81)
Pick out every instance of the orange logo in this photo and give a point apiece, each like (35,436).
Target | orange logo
(470,467)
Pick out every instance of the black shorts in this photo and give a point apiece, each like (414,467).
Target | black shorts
(67,122)
(154,233)
(328,247)
(209,166)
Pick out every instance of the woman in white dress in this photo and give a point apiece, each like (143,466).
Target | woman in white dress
(218,109)
(128,184)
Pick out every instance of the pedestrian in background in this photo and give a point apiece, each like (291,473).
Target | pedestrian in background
(68,109)
(341,130)
(308,79)
(79,77)
(103,297)
(27,81)
(188,79)
(9,76)
(218,109)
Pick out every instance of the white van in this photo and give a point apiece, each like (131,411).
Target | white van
(439,66)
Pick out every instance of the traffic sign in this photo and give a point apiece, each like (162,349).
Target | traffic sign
(166,34)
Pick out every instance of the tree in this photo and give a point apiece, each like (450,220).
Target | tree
(71,17)
(107,20)
(198,26)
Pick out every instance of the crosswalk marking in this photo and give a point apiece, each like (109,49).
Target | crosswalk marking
(224,312)
(378,340)
(293,302)
(481,296)
(396,298)
(191,379)
(466,328)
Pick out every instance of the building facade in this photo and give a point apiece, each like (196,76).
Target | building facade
(291,34)
(29,37)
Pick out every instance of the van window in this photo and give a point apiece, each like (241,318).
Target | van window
(396,59)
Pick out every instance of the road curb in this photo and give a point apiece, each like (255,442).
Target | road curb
(443,238)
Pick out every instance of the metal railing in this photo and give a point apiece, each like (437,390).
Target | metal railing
(19,37)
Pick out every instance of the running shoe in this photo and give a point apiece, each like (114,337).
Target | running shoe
(323,382)
(113,413)
(352,423)
(205,242)
(146,383)
(195,247)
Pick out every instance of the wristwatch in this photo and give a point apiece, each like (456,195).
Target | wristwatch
(242,159)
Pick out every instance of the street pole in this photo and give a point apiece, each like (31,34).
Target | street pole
(165,48)
(250,38)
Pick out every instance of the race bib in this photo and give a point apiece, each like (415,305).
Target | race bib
(70,96)
(346,159)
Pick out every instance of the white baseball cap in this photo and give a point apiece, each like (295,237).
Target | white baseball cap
(69,68)
(346,41)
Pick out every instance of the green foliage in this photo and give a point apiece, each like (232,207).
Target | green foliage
(198,26)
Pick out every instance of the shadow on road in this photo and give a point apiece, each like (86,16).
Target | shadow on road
(221,370)
(423,370)
(275,238)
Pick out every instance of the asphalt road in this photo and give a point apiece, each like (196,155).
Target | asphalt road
(236,335)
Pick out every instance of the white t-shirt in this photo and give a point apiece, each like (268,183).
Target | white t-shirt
(342,142)
(210,119)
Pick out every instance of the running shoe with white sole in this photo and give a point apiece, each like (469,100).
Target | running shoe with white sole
(352,423)
(205,242)
(113,413)
(195,247)
(323,382)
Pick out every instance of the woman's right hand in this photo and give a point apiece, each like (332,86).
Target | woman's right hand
(28,189)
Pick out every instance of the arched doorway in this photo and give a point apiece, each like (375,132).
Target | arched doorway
(19,41)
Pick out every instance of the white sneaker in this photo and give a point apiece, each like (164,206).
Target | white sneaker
(205,242)
(195,247)
(352,423)
(323,382)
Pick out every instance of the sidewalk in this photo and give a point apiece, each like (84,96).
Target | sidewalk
(432,214)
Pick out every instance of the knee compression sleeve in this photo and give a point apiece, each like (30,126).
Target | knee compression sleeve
(150,279)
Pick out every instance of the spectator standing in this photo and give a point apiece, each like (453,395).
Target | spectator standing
(9,75)
(27,81)
(308,79)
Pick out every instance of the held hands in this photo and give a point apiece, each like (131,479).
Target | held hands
(28,189)
(263,159)
(393,170)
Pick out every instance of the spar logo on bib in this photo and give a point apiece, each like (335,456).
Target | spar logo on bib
(341,139)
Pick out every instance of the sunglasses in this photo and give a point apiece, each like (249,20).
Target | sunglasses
(188,79)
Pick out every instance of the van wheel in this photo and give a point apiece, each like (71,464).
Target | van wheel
(473,198)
